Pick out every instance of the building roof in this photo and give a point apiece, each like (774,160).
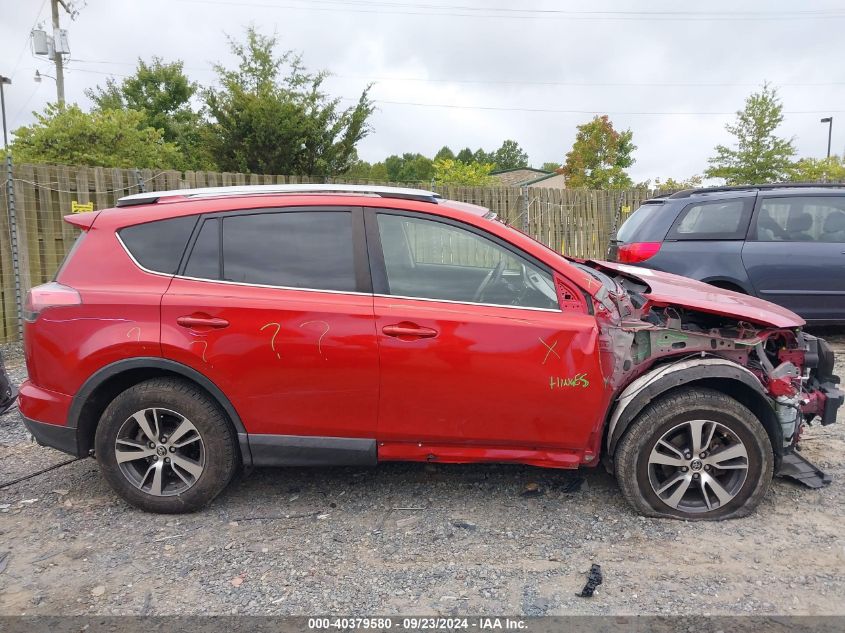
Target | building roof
(519,175)
(545,176)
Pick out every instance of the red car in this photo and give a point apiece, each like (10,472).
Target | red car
(192,333)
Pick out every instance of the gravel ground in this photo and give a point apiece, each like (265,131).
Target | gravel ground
(409,538)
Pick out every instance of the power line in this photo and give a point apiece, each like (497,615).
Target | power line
(557,111)
(526,82)
(26,43)
(384,8)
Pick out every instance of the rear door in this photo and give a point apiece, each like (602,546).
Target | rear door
(274,306)
(795,254)
(475,351)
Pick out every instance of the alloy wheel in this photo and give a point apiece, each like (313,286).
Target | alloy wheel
(697,466)
(160,452)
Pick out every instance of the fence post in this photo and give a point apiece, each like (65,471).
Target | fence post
(524,212)
(142,186)
(13,240)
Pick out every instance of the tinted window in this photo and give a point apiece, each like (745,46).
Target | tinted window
(159,245)
(649,223)
(434,260)
(294,249)
(802,219)
(717,220)
(204,261)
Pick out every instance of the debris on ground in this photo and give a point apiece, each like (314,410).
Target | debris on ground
(594,579)
(532,489)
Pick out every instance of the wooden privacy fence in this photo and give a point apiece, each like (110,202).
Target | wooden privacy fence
(575,222)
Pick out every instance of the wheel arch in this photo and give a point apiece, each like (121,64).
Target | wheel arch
(714,373)
(726,283)
(104,385)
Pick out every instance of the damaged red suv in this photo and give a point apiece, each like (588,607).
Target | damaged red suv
(193,333)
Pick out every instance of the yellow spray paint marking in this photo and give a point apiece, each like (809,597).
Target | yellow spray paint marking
(320,340)
(204,348)
(551,350)
(273,338)
(81,207)
(579,380)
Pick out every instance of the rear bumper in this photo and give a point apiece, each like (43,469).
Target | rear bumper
(62,438)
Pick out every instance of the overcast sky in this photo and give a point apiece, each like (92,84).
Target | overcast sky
(530,71)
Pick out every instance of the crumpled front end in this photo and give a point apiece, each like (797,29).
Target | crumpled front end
(650,344)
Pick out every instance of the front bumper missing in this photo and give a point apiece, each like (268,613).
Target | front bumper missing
(796,467)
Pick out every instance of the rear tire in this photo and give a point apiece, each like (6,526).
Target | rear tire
(664,471)
(165,446)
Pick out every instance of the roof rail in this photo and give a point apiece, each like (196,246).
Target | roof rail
(250,190)
(686,193)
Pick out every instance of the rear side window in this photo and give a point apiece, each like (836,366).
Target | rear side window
(802,219)
(309,249)
(716,220)
(648,223)
(158,246)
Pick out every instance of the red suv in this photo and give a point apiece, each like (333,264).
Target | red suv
(192,333)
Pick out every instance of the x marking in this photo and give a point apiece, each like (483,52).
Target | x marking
(551,350)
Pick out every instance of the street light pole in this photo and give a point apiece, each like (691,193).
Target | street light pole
(829,121)
(3,82)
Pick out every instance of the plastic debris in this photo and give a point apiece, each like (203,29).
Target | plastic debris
(594,579)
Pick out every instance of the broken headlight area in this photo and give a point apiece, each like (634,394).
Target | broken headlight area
(794,369)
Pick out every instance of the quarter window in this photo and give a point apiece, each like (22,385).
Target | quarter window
(802,219)
(311,249)
(435,260)
(716,220)
(159,245)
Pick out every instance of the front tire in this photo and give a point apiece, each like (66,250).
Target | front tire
(695,454)
(165,446)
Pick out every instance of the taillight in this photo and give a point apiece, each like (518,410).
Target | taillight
(637,252)
(48,296)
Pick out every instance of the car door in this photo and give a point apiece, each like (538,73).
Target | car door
(474,348)
(274,306)
(795,254)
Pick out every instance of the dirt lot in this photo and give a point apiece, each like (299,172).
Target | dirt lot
(409,539)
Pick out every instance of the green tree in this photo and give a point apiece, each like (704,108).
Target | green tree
(465,156)
(444,152)
(270,115)
(109,138)
(409,168)
(483,157)
(510,156)
(555,167)
(758,155)
(670,184)
(455,172)
(162,93)
(599,157)
(818,170)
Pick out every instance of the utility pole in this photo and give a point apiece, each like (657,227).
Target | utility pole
(54,47)
(3,82)
(57,56)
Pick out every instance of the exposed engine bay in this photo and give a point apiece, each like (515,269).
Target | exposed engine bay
(644,341)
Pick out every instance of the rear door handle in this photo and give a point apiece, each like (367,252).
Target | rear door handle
(409,330)
(202,321)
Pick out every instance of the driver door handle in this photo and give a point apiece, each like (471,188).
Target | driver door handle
(410,330)
(200,320)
